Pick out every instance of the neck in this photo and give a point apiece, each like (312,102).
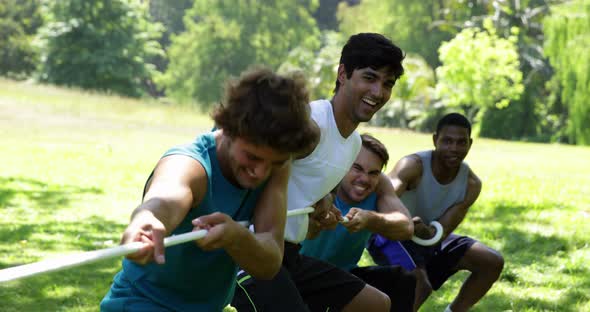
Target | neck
(223,143)
(346,125)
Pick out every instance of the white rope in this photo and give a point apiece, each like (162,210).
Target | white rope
(431,241)
(79,259)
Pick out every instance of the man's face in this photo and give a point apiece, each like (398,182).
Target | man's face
(362,178)
(452,144)
(366,91)
(252,164)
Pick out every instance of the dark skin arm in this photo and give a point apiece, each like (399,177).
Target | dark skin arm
(406,175)
(453,216)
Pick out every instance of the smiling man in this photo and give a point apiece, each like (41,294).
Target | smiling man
(438,185)
(237,173)
(357,201)
(370,64)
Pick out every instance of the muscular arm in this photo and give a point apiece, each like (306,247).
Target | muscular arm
(456,213)
(177,183)
(406,174)
(392,219)
(261,254)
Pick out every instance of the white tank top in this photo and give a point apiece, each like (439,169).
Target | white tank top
(317,174)
(430,199)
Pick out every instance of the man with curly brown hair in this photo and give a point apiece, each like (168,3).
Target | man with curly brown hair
(238,172)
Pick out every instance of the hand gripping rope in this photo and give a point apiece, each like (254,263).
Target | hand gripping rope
(79,259)
(431,241)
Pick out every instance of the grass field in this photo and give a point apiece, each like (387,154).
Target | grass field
(73,165)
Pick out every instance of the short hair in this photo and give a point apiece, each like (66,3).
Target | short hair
(375,146)
(454,119)
(371,50)
(267,109)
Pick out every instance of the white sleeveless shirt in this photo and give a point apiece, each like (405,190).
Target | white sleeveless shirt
(430,199)
(316,175)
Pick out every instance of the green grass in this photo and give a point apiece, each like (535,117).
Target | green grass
(73,165)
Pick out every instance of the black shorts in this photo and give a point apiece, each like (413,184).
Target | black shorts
(393,280)
(439,261)
(303,284)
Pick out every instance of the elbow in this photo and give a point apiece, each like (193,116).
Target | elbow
(408,230)
(270,268)
(268,271)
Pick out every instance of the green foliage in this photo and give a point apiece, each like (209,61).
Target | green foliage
(479,71)
(223,39)
(19,21)
(99,44)
(412,104)
(54,203)
(567,41)
(170,14)
(319,66)
(417,27)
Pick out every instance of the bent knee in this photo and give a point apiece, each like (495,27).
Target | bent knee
(496,262)
(369,299)
(423,286)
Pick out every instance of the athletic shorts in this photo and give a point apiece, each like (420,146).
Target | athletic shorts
(302,284)
(439,260)
(393,280)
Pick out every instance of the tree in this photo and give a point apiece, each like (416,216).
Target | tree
(567,42)
(169,14)
(319,66)
(19,21)
(223,39)
(99,44)
(480,70)
(418,27)
(413,104)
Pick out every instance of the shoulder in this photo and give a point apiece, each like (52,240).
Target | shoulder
(320,111)
(409,165)
(174,173)
(473,180)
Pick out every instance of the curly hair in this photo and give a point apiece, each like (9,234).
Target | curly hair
(375,146)
(267,109)
(371,50)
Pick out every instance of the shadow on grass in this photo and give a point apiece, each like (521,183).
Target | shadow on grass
(87,234)
(79,287)
(37,194)
(536,251)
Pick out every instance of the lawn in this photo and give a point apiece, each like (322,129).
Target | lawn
(73,165)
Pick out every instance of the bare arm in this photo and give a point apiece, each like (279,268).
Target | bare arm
(456,213)
(406,174)
(261,253)
(177,183)
(392,219)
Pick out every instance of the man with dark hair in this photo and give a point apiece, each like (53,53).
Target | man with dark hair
(357,201)
(439,186)
(239,172)
(370,65)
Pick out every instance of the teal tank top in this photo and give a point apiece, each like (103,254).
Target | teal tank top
(193,279)
(338,246)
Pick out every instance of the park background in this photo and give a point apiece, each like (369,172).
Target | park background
(95,91)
